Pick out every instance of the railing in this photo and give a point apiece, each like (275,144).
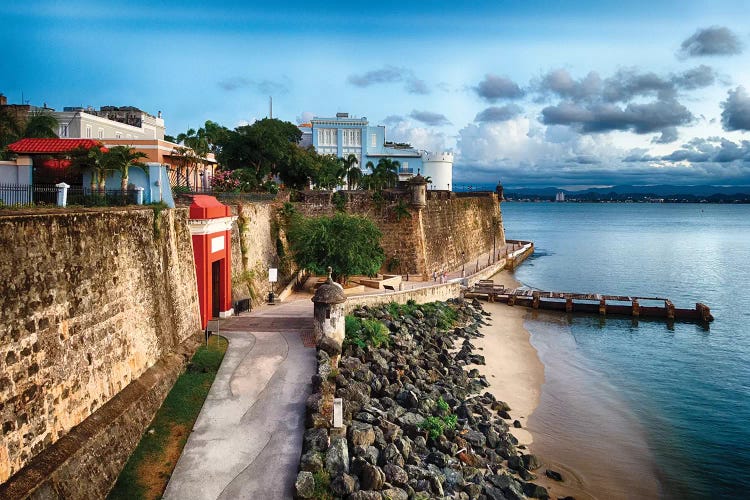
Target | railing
(49,194)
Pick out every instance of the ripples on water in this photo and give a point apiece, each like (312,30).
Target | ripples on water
(681,393)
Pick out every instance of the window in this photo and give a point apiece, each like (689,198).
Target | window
(118,135)
(352,137)
(373,140)
(327,137)
(64,130)
(404,166)
(101,133)
(88,131)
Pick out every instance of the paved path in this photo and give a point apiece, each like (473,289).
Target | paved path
(247,440)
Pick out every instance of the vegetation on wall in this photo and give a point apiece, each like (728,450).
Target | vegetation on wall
(349,244)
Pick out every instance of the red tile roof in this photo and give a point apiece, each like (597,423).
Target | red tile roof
(28,146)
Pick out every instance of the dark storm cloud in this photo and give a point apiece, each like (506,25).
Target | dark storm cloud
(495,87)
(736,114)
(429,118)
(269,87)
(668,134)
(657,116)
(390,74)
(713,41)
(625,85)
(498,113)
(711,150)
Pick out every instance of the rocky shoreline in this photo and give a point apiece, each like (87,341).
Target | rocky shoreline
(416,423)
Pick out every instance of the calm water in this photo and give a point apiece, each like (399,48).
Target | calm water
(667,408)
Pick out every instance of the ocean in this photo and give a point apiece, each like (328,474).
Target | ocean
(643,409)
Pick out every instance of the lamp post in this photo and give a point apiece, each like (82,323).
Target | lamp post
(463,264)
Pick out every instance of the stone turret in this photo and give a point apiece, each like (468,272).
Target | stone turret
(328,316)
(499,191)
(418,188)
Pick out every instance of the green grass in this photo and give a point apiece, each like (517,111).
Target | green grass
(365,332)
(149,467)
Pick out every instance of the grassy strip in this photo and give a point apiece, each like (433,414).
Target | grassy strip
(149,467)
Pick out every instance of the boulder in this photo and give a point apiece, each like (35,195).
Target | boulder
(329,346)
(394,494)
(531,462)
(365,495)
(343,485)
(371,477)
(395,475)
(315,439)
(311,461)
(337,457)
(304,486)
(361,434)
(535,491)
(552,474)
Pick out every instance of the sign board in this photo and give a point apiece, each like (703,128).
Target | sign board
(212,326)
(217,244)
(338,412)
(273,274)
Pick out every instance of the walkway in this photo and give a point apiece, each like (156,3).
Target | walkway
(247,440)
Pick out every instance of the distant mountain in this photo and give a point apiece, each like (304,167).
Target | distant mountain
(660,190)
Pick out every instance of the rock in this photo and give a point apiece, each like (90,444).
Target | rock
(304,486)
(371,477)
(315,440)
(394,494)
(404,446)
(365,495)
(473,490)
(391,431)
(337,457)
(395,475)
(526,475)
(510,487)
(476,438)
(437,458)
(311,462)
(313,402)
(535,491)
(329,346)
(514,462)
(361,434)
(504,414)
(517,424)
(553,475)
(343,485)
(531,462)
(391,455)
(494,493)
(454,479)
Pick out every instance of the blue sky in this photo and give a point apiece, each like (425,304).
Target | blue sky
(529,93)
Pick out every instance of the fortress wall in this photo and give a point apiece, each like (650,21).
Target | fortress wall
(90,301)
(420,242)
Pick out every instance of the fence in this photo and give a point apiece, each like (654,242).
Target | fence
(62,195)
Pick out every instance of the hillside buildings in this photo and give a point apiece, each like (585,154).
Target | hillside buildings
(343,135)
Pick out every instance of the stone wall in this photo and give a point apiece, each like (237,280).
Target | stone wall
(427,240)
(257,238)
(90,300)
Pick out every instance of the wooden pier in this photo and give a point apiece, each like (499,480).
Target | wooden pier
(590,303)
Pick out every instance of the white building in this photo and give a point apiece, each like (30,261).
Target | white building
(109,122)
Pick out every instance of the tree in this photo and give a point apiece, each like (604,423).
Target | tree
(353,172)
(386,173)
(330,172)
(267,147)
(93,159)
(349,244)
(41,125)
(121,159)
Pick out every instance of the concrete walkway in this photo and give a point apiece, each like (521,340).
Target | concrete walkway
(247,440)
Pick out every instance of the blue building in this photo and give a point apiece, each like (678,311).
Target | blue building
(342,136)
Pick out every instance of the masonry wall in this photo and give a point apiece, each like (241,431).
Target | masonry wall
(427,240)
(90,300)
(258,242)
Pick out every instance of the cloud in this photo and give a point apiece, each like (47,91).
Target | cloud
(419,137)
(268,87)
(495,87)
(713,41)
(390,74)
(305,117)
(657,116)
(712,150)
(625,85)
(429,118)
(736,113)
(498,113)
(393,119)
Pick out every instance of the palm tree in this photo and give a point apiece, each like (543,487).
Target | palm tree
(386,172)
(120,159)
(41,125)
(353,172)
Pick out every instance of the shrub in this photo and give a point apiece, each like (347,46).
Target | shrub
(365,332)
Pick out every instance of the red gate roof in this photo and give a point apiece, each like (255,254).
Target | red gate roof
(29,146)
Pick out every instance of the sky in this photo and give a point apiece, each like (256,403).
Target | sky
(546,93)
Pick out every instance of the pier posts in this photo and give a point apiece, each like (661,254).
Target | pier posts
(569,305)
(603,306)
(535,300)
(636,308)
(511,299)
(670,309)
(704,313)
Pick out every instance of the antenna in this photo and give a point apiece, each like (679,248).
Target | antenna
(270,107)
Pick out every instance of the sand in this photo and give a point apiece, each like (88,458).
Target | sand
(516,376)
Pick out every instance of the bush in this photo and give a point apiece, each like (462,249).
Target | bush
(365,332)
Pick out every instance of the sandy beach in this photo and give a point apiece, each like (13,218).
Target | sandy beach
(516,375)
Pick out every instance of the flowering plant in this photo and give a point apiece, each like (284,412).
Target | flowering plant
(225,181)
